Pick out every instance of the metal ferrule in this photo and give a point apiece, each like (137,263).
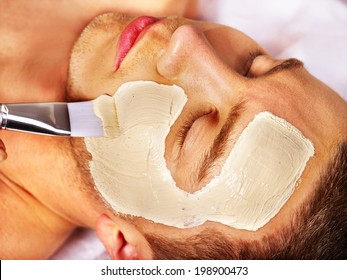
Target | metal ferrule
(3,116)
(43,118)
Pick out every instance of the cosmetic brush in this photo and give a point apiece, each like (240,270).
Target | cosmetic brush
(76,119)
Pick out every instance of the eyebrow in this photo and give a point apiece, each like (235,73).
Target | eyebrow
(219,145)
(291,63)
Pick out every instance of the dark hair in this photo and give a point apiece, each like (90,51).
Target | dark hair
(318,230)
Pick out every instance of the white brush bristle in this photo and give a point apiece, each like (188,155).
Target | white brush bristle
(83,121)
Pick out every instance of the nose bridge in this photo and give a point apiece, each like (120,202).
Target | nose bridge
(192,62)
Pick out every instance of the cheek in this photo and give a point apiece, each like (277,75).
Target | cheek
(91,65)
(130,171)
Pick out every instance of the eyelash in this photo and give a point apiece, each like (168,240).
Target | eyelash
(249,61)
(182,133)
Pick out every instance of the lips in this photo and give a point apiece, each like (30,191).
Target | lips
(129,36)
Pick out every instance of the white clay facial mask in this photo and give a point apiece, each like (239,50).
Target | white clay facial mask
(130,172)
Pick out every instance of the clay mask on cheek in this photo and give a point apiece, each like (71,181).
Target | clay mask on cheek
(130,171)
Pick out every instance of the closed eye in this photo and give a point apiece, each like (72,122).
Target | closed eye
(183,132)
(250,58)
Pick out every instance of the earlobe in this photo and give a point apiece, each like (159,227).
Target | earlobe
(114,240)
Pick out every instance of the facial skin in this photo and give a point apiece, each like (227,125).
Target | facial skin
(226,71)
(214,65)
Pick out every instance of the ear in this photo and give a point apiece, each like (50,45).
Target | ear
(121,240)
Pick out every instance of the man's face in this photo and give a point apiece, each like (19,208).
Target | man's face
(219,69)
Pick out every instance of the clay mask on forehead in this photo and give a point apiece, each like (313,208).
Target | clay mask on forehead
(130,171)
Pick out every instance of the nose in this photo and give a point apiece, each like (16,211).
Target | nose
(191,62)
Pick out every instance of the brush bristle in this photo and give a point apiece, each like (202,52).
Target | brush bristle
(83,121)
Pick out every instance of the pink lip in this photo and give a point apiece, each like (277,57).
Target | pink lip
(129,36)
